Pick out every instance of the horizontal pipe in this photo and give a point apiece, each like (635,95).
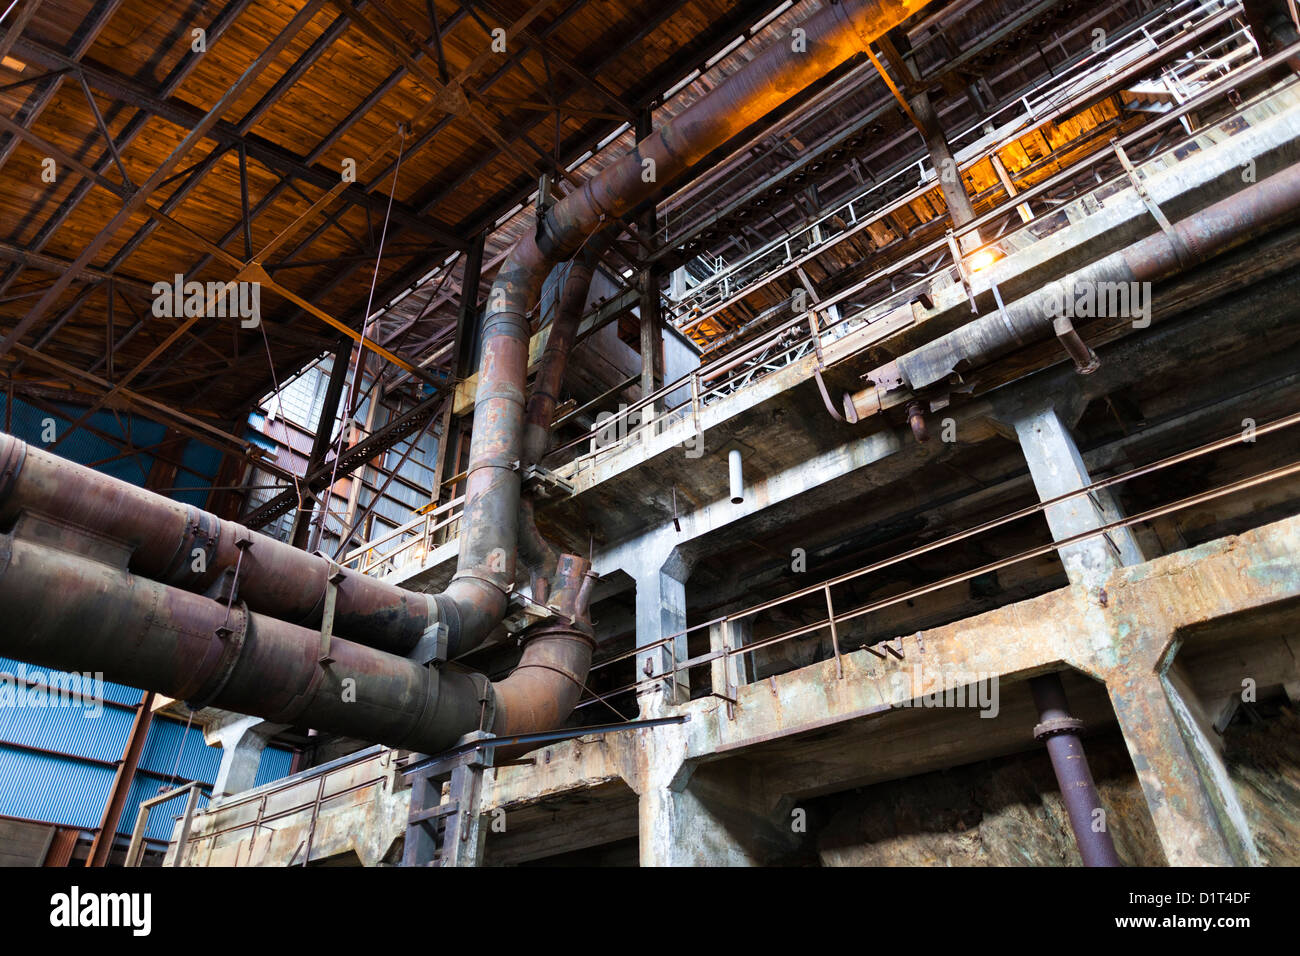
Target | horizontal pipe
(190,647)
(178,544)
(1210,232)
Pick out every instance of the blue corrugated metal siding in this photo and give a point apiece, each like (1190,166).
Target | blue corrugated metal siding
(117,693)
(69,730)
(275,764)
(198,761)
(162,816)
(68,790)
(53,789)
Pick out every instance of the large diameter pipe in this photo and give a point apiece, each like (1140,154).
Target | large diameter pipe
(544,688)
(1210,232)
(540,557)
(144,632)
(490,537)
(188,646)
(189,548)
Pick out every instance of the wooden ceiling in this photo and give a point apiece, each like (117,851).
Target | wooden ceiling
(231,126)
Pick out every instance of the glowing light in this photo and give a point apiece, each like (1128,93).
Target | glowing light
(982,260)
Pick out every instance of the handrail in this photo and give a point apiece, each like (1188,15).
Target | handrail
(833,619)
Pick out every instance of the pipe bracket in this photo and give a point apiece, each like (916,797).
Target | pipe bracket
(1181,252)
(232,639)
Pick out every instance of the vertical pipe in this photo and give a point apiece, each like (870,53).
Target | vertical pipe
(737,476)
(1061,733)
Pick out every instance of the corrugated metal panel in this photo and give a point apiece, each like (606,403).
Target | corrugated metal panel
(54,789)
(198,761)
(275,764)
(69,791)
(162,817)
(119,693)
(69,730)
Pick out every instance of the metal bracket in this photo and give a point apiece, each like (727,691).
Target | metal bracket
(431,648)
(1006,319)
(826,398)
(332,582)
(544,483)
(522,613)
(1183,254)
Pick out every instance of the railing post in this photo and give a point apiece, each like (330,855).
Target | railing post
(835,637)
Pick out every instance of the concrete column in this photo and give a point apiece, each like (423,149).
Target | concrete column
(1192,802)
(1057,468)
(242,741)
(652,336)
(661,612)
(690,815)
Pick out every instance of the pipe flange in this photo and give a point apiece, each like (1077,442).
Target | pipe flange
(202,532)
(232,639)
(1057,726)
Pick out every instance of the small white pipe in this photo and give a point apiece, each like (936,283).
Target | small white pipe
(737,476)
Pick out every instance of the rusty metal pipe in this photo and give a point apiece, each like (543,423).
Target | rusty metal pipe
(544,688)
(191,647)
(539,556)
(268,664)
(1207,233)
(545,394)
(186,547)
(491,523)
(1084,358)
(1060,731)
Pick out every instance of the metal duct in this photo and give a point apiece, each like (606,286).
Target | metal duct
(193,648)
(255,656)
(539,557)
(736,476)
(490,534)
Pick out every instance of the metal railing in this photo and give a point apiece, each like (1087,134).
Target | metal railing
(415,539)
(739,279)
(883,650)
(810,332)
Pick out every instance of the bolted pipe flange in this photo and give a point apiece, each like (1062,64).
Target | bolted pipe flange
(1057,726)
